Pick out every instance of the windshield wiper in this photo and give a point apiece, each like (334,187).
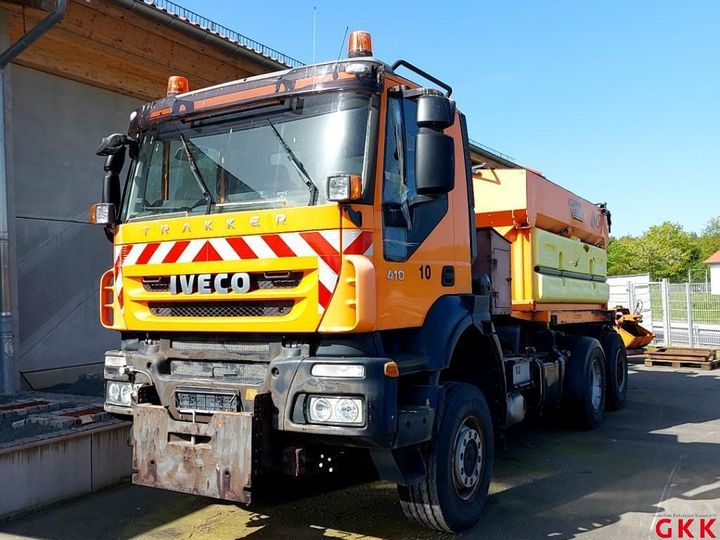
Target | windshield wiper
(298,164)
(196,173)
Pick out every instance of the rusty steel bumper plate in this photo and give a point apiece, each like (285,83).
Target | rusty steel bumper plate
(213,460)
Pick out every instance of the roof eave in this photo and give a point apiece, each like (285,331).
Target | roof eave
(153,12)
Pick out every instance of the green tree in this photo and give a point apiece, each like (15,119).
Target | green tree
(664,251)
(624,256)
(668,251)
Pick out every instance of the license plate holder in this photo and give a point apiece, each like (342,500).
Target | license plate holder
(204,401)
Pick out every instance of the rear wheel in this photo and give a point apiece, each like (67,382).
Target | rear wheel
(458,464)
(585,386)
(616,370)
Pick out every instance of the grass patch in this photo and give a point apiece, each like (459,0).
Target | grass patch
(705,306)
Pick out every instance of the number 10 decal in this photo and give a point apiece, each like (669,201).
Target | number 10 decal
(425,271)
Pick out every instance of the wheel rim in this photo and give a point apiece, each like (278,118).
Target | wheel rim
(468,458)
(596,383)
(620,372)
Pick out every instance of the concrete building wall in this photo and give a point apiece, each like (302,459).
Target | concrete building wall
(56,127)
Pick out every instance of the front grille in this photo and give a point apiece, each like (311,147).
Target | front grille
(260,308)
(252,374)
(247,349)
(258,280)
(205,401)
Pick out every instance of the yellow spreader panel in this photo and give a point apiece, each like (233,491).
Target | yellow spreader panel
(567,254)
(549,268)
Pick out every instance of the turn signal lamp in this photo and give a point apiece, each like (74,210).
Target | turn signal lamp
(359,44)
(177,84)
(391,369)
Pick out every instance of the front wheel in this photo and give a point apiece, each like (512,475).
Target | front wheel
(458,464)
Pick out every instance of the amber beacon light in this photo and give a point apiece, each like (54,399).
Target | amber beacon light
(177,84)
(359,44)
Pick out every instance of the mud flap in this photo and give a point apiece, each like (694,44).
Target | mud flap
(212,460)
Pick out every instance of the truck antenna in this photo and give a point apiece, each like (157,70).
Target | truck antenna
(342,43)
(314,31)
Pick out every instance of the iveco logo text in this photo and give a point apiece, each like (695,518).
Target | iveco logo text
(238,282)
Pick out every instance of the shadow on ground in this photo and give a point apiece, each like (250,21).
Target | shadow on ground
(658,454)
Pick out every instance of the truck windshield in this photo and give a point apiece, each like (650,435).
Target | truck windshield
(276,156)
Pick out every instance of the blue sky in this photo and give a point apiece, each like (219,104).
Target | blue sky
(618,101)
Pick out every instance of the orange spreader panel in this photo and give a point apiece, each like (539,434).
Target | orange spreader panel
(519,198)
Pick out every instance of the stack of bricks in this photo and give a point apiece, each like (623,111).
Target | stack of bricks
(47,414)
(30,415)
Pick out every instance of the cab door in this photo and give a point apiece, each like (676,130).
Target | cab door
(416,263)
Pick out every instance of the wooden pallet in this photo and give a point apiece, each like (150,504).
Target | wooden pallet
(707,366)
(678,357)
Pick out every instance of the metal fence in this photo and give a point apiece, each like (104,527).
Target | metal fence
(680,314)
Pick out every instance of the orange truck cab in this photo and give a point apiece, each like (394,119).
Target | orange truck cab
(306,263)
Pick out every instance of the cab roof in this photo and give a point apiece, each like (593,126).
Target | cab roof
(351,74)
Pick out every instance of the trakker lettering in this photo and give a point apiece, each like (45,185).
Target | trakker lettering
(239,282)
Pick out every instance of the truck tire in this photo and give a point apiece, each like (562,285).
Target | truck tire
(450,498)
(585,387)
(616,370)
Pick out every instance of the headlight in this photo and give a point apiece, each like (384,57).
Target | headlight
(335,410)
(348,410)
(338,370)
(120,393)
(125,392)
(113,392)
(320,409)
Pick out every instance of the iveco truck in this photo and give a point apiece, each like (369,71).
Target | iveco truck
(308,261)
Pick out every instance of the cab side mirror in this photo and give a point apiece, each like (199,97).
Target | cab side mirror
(113,148)
(435,111)
(112,144)
(434,151)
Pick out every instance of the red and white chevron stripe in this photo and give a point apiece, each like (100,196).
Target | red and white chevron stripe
(327,246)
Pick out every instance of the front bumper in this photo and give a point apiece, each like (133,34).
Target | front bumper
(294,383)
(288,380)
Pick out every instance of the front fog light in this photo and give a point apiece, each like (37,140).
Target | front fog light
(335,410)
